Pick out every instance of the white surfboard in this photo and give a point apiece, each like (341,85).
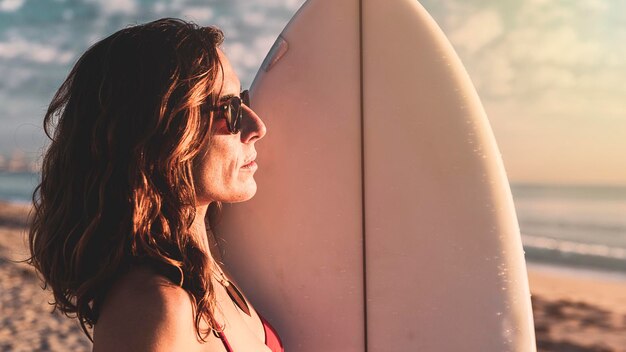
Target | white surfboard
(383,219)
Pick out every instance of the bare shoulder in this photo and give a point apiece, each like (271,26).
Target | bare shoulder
(145,312)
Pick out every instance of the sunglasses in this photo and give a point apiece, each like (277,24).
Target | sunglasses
(232,111)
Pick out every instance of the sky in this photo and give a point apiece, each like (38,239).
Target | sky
(551,77)
(550,73)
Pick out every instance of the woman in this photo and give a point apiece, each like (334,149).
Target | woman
(151,134)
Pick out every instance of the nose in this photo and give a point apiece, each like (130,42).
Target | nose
(252,127)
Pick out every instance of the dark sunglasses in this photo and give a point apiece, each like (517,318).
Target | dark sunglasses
(232,111)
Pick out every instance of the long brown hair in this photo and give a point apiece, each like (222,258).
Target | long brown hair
(116,181)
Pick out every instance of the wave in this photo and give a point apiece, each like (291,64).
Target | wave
(539,249)
(572,247)
(571,224)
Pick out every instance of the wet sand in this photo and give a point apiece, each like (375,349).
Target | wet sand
(574,311)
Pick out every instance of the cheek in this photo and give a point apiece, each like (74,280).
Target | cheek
(222,160)
(220,166)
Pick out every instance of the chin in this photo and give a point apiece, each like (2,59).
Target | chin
(246,193)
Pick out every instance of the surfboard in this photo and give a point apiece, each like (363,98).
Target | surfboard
(383,219)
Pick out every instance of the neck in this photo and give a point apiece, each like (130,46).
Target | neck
(198,229)
(204,237)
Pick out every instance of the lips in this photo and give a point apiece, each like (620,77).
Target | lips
(249,161)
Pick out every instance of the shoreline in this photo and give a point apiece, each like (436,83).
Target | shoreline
(557,267)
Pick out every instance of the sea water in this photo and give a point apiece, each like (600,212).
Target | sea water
(581,226)
(17,187)
(573,226)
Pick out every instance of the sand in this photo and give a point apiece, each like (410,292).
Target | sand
(578,311)
(27,323)
(575,311)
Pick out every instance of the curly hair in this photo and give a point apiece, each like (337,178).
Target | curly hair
(116,181)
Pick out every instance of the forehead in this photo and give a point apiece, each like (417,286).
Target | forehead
(227,79)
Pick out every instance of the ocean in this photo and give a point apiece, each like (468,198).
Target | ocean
(574,226)
(581,227)
(17,187)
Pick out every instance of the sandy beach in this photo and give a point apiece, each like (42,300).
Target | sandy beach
(575,311)
(27,323)
(578,311)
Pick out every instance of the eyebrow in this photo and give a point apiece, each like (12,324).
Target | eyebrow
(228,96)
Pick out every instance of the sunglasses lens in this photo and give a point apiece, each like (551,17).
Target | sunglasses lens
(245,98)
(233,111)
(234,115)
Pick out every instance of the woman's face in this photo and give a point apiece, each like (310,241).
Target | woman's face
(224,169)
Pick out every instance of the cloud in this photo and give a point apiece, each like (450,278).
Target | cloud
(525,50)
(18,48)
(562,45)
(495,79)
(595,5)
(198,14)
(263,44)
(255,18)
(15,78)
(10,5)
(478,31)
(242,55)
(287,4)
(112,7)
(550,75)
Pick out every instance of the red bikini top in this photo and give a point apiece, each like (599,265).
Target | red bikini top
(271,338)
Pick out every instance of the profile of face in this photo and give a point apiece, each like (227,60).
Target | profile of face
(224,169)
